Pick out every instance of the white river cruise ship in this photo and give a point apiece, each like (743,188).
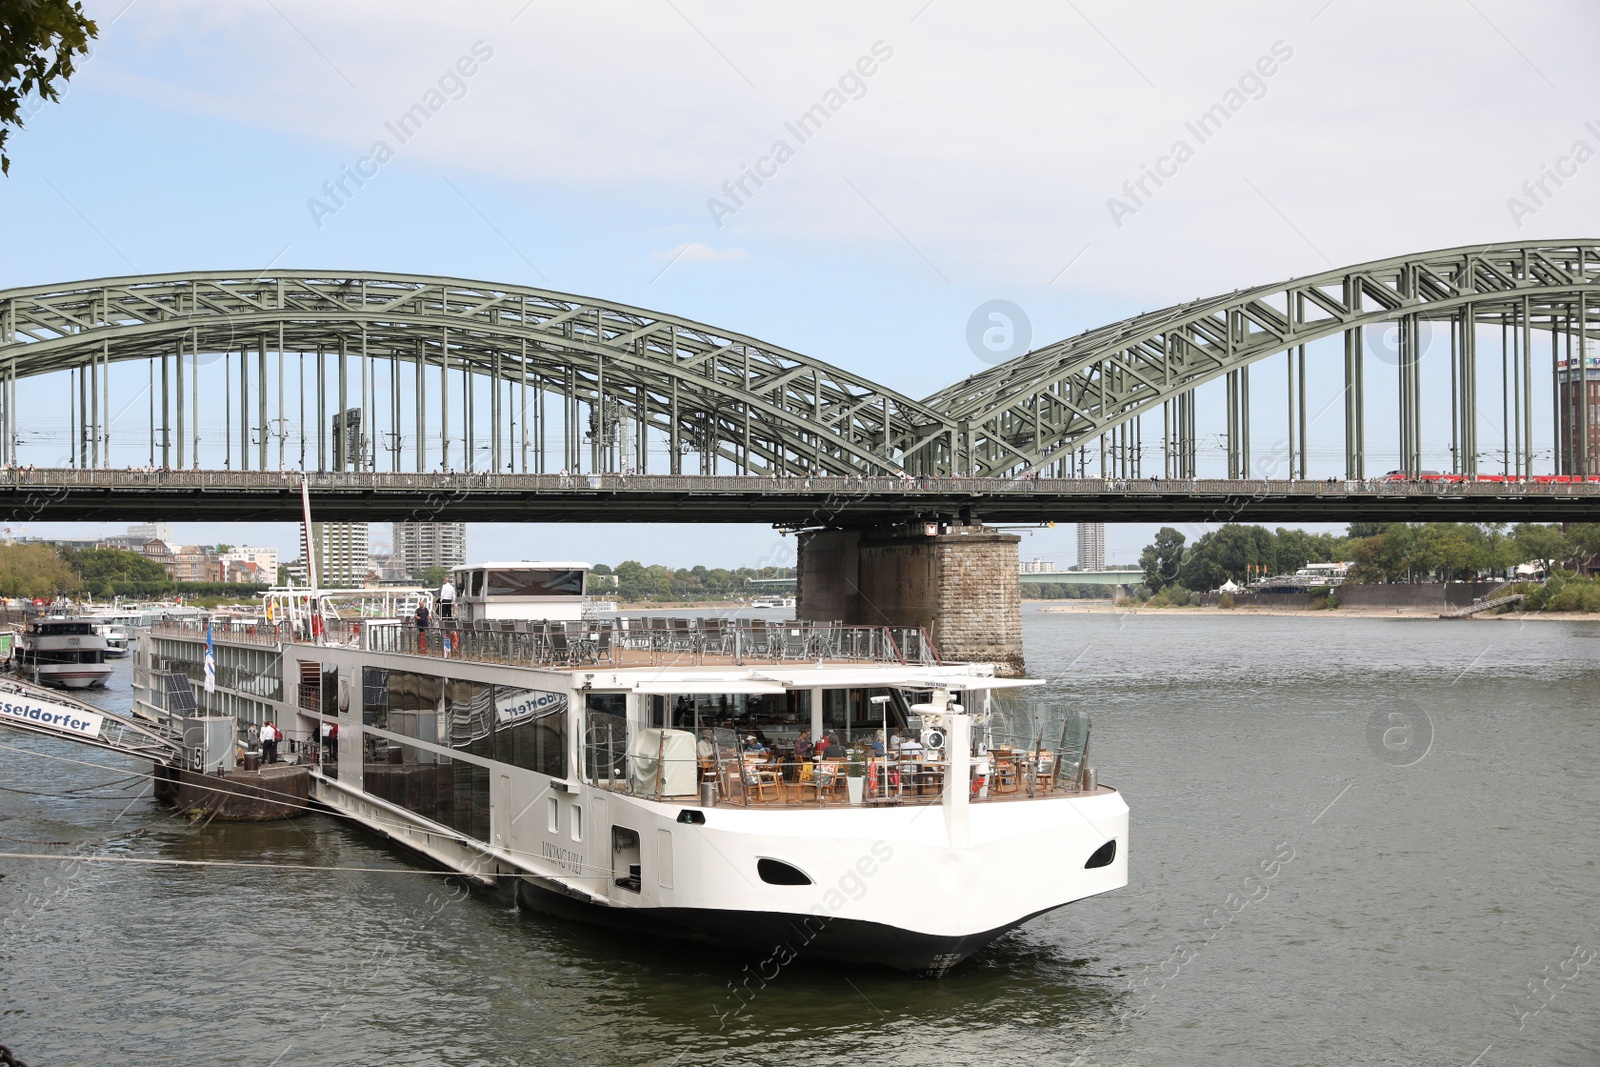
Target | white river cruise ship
(834,792)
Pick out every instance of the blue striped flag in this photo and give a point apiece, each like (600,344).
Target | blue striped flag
(211,662)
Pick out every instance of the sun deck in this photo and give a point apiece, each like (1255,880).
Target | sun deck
(613,643)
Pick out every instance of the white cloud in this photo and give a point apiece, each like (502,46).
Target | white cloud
(989,144)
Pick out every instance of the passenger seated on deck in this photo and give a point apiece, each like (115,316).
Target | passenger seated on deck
(753,747)
(828,748)
(911,748)
(877,744)
(705,748)
(803,746)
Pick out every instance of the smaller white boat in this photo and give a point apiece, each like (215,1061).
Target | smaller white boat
(63,651)
(116,637)
(765,602)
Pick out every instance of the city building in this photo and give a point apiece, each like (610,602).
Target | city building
(341,553)
(1578,402)
(250,573)
(183,563)
(1091,546)
(145,531)
(420,545)
(265,559)
(1036,566)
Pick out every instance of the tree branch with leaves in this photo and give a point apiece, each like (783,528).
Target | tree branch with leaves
(38,42)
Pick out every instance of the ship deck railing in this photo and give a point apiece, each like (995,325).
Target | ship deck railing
(624,642)
(997,776)
(723,773)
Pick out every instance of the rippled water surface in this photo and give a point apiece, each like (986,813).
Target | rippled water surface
(1315,880)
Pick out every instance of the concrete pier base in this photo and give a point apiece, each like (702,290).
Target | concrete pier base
(957,582)
(277,791)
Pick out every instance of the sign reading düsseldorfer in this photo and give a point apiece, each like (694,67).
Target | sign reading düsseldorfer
(42,713)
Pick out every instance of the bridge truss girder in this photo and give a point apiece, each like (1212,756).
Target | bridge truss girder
(760,408)
(1035,410)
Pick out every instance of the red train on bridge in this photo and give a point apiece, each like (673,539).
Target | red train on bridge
(1537,479)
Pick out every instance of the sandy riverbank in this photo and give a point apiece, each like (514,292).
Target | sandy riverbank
(1104,608)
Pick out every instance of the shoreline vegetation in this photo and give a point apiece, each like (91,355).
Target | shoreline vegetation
(1394,570)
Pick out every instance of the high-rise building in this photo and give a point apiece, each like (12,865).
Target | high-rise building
(340,549)
(1091,546)
(152,531)
(420,545)
(1578,401)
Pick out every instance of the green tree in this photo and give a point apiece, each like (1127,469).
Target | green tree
(38,40)
(1536,541)
(36,570)
(108,572)
(1229,552)
(1161,558)
(1584,539)
(433,577)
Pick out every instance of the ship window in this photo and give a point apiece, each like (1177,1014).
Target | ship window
(1103,855)
(777,872)
(626,866)
(555,815)
(450,792)
(664,858)
(535,583)
(577,822)
(375,697)
(531,729)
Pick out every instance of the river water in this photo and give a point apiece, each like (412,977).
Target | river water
(1354,841)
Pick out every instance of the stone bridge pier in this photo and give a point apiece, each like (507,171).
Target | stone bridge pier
(959,582)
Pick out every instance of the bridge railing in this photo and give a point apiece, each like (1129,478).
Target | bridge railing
(841,487)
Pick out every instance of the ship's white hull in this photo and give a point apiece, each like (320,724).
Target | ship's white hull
(69,675)
(886,887)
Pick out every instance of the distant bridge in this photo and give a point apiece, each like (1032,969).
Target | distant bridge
(1109,579)
(272,496)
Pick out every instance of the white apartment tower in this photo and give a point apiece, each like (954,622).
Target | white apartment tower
(1091,546)
(420,545)
(340,549)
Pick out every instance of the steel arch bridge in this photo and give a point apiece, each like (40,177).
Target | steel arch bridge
(730,399)
(1035,410)
(420,373)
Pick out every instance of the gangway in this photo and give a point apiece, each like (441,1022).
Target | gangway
(40,711)
(1482,606)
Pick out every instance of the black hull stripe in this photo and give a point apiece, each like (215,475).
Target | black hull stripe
(809,937)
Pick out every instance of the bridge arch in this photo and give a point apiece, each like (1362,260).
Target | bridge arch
(440,372)
(1040,410)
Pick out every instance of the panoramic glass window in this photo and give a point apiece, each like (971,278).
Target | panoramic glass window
(535,583)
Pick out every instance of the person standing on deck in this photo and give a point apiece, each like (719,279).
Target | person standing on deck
(422,627)
(447,599)
(269,743)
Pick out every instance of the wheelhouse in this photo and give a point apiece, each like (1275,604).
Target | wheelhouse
(523,590)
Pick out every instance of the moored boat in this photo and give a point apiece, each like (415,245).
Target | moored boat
(61,650)
(829,791)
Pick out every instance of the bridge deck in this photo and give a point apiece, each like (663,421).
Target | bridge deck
(273,496)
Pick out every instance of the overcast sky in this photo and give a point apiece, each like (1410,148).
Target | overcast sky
(972,152)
